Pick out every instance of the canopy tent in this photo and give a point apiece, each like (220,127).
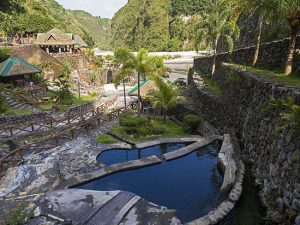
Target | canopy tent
(146,87)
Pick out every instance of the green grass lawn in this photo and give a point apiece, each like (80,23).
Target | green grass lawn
(16,112)
(48,106)
(214,87)
(106,139)
(171,129)
(275,75)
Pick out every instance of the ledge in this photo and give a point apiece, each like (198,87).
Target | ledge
(234,172)
(89,177)
(191,148)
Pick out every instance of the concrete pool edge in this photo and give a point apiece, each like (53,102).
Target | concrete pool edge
(232,167)
(234,171)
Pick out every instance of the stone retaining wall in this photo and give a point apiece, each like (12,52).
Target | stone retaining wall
(274,150)
(14,120)
(271,54)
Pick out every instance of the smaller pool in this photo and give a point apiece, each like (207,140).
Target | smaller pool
(188,185)
(115,156)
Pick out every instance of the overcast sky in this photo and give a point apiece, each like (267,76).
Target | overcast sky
(103,8)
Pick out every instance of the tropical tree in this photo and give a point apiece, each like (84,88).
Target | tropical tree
(217,22)
(143,64)
(166,97)
(290,11)
(121,57)
(63,92)
(270,10)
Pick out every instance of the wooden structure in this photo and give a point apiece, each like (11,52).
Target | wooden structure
(56,41)
(15,68)
(67,132)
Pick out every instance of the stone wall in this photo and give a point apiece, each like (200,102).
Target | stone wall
(14,120)
(275,151)
(272,54)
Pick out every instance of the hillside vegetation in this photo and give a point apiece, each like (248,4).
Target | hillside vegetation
(169,25)
(32,16)
(97,27)
(158,25)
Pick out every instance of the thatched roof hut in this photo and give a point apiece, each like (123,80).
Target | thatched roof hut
(57,41)
(14,66)
(55,37)
(37,56)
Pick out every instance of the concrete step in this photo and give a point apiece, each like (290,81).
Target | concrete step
(113,212)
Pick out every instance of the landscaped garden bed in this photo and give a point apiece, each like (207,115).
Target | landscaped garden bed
(137,129)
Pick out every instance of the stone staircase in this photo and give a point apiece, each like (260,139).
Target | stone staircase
(14,102)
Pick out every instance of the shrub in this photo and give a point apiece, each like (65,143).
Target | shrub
(132,121)
(5,53)
(157,129)
(192,121)
(19,216)
(105,139)
(3,104)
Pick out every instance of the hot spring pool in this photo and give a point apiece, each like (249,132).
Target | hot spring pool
(188,184)
(115,156)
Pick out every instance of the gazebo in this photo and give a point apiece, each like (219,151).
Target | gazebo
(14,69)
(56,41)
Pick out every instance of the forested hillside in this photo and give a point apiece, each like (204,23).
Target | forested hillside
(97,27)
(169,25)
(32,16)
(158,24)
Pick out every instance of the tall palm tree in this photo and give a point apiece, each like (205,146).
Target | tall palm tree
(121,57)
(217,22)
(121,76)
(143,64)
(271,10)
(252,6)
(166,97)
(290,11)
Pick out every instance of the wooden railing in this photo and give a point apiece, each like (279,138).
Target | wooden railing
(34,126)
(14,157)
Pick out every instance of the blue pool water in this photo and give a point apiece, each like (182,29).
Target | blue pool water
(188,184)
(111,157)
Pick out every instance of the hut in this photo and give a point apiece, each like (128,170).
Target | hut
(56,41)
(16,70)
(35,55)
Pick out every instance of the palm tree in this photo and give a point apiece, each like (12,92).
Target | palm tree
(290,11)
(166,97)
(122,75)
(142,63)
(273,10)
(217,22)
(253,6)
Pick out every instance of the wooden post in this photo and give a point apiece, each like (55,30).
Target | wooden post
(32,127)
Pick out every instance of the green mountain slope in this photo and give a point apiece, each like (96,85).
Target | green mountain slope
(32,16)
(158,25)
(97,27)
(169,25)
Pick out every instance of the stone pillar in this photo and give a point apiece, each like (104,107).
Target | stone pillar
(59,50)
(47,50)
